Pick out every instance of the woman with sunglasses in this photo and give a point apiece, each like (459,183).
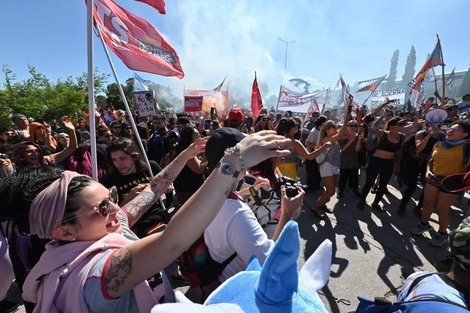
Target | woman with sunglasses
(385,160)
(349,165)
(94,262)
(262,122)
(451,156)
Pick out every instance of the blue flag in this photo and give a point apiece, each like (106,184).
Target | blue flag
(139,83)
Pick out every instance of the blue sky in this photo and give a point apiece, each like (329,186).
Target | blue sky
(233,38)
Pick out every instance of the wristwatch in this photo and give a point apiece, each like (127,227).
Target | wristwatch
(227,169)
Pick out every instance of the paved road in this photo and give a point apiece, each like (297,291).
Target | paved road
(373,251)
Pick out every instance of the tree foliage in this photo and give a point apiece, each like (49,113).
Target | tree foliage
(39,98)
(392,76)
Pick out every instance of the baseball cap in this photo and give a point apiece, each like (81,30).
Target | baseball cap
(182,120)
(459,242)
(220,140)
(396,120)
(235,116)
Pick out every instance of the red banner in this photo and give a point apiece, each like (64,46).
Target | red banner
(158,5)
(193,104)
(211,99)
(135,41)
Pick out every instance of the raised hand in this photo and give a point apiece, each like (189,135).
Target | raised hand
(262,145)
(67,123)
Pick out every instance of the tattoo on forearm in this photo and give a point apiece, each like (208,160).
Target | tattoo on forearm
(139,205)
(164,179)
(119,270)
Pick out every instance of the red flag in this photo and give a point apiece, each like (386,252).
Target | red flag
(256,101)
(135,41)
(158,5)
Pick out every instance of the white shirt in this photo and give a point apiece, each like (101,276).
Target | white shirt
(236,229)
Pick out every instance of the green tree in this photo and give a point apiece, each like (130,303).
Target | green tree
(392,76)
(39,98)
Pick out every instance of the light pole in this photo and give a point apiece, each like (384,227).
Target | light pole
(285,59)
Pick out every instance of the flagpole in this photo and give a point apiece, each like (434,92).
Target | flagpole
(91,90)
(128,110)
(443,65)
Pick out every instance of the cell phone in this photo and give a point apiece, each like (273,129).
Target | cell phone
(4,156)
(207,126)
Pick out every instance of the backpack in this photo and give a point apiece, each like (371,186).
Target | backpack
(383,305)
(197,265)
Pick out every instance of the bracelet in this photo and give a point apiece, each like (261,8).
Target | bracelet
(236,150)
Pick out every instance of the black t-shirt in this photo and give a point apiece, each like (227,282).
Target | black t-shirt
(124,183)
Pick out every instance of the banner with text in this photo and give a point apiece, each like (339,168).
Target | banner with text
(145,102)
(300,102)
(193,104)
(378,96)
(211,99)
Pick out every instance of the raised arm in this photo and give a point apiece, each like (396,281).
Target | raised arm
(160,183)
(73,144)
(142,259)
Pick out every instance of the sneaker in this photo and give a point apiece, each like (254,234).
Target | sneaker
(439,239)
(420,228)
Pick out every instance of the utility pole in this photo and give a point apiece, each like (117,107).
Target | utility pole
(285,59)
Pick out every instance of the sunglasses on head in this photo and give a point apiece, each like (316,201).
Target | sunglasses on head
(103,207)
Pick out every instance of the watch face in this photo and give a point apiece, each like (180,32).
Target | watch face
(227,169)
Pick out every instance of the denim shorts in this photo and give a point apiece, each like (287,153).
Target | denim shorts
(326,169)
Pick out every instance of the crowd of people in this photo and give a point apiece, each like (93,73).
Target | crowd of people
(91,240)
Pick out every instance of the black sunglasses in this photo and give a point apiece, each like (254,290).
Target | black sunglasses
(103,207)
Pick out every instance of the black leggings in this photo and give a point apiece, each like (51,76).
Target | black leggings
(378,166)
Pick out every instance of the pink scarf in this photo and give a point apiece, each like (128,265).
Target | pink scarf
(56,283)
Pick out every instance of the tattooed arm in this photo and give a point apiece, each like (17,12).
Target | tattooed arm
(160,183)
(147,256)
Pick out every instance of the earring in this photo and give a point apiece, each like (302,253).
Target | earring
(74,238)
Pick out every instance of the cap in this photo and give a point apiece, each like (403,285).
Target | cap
(320,120)
(235,116)
(431,98)
(459,242)
(456,183)
(182,120)
(220,140)
(395,121)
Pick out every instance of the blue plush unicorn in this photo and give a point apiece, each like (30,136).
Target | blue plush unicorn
(275,287)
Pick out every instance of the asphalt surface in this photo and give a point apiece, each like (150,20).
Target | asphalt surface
(373,252)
